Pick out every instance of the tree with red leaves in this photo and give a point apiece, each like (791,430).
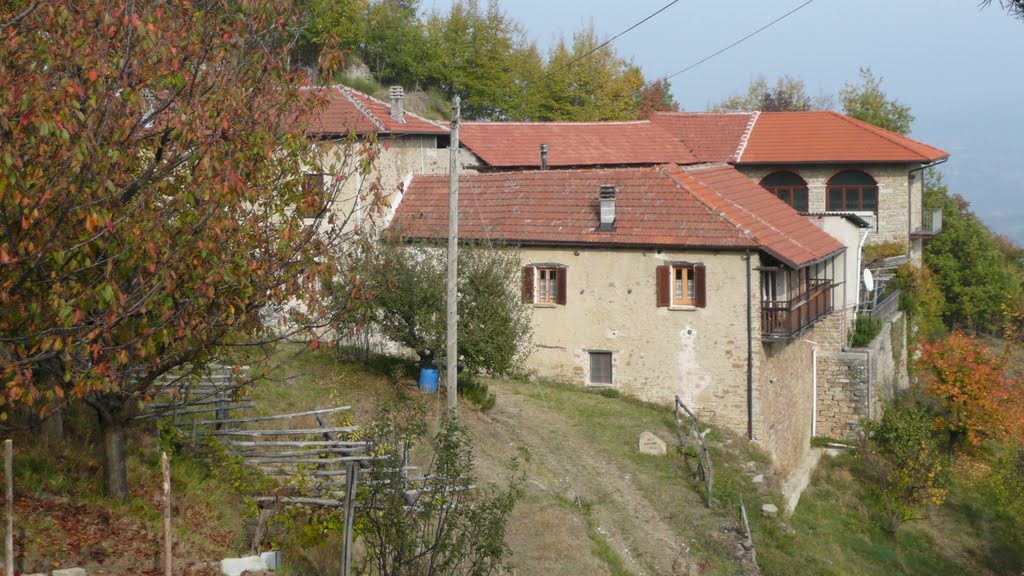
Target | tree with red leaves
(151,166)
(976,397)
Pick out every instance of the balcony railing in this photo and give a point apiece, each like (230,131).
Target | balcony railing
(931,224)
(785,319)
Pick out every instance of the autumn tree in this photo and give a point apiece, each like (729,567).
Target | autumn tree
(788,94)
(976,398)
(654,97)
(585,83)
(866,101)
(151,182)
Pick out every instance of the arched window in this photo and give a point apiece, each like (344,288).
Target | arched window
(852,191)
(789,187)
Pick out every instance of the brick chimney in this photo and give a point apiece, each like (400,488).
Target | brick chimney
(398,103)
(607,207)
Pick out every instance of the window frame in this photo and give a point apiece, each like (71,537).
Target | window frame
(533,284)
(790,190)
(594,355)
(845,191)
(665,279)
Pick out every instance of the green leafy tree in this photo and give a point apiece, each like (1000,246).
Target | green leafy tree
(866,101)
(788,94)
(921,298)
(482,56)
(150,180)
(906,463)
(584,82)
(447,526)
(1014,8)
(344,21)
(974,275)
(394,41)
(403,295)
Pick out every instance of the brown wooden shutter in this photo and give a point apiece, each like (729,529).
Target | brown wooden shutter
(663,287)
(560,286)
(700,291)
(528,274)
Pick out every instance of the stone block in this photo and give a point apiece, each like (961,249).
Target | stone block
(70,572)
(770,510)
(651,444)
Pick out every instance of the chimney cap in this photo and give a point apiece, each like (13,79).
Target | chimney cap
(397,94)
(606,221)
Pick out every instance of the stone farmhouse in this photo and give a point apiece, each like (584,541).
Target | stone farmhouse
(712,256)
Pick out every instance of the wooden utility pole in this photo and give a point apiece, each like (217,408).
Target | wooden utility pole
(452,350)
(9,479)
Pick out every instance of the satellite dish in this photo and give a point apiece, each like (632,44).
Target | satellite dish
(869,280)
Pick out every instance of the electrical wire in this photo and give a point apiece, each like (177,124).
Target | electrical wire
(742,40)
(612,39)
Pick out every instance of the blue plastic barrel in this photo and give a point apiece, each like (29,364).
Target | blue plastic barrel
(428,379)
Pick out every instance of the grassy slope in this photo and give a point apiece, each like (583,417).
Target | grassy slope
(592,504)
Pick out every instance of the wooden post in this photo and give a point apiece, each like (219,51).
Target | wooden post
(9,479)
(452,349)
(167,513)
(351,476)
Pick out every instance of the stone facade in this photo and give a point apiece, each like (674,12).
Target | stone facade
(899,196)
(855,383)
(699,354)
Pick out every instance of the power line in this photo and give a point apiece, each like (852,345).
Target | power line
(612,39)
(742,40)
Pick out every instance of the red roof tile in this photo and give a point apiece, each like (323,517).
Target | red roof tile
(655,206)
(803,137)
(573,144)
(349,110)
(775,226)
(713,137)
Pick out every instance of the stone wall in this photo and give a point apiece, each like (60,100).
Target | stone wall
(899,202)
(853,384)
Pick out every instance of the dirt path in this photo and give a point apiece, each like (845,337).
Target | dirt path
(581,501)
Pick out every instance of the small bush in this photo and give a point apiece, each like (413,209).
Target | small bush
(609,393)
(874,252)
(476,392)
(865,330)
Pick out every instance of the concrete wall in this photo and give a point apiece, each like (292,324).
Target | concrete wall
(898,202)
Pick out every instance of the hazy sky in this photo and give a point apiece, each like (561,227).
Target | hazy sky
(958,67)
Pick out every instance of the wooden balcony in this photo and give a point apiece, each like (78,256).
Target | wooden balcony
(786,319)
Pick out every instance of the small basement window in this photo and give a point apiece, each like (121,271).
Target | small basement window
(600,367)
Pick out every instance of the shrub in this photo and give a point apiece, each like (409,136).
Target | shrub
(906,462)
(865,330)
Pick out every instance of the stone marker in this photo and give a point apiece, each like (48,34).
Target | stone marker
(770,510)
(758,479)
(70,572)
(651,444)
(236,566)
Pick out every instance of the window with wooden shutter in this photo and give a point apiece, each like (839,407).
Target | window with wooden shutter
(681,285)
(545,284)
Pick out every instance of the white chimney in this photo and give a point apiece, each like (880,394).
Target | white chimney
(398,103)
(607,207)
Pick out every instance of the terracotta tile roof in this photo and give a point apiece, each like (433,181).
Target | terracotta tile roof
(775,226)
(803,137)
(790,138)
(655,206)
(573,144)
(713,137)
(348,109)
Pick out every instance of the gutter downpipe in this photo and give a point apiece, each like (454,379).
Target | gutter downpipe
(750,353)
(814,387)
(860,256)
